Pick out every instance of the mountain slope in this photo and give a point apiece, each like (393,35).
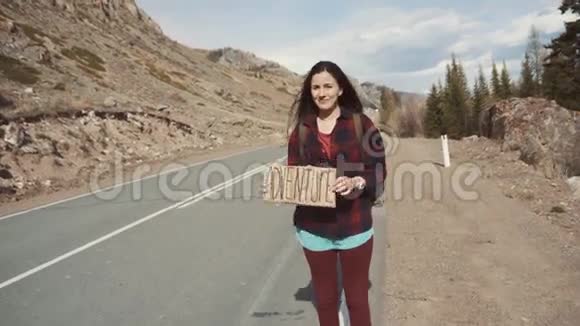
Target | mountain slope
(86,81)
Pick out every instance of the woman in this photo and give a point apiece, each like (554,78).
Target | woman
(325,109)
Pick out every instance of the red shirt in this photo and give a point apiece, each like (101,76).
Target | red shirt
(325,140)
(350,216)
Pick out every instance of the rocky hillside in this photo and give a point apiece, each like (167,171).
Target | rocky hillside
(85,83)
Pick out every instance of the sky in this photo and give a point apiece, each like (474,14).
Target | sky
(404,45)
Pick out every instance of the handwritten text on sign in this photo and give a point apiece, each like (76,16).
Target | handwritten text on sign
(303,185)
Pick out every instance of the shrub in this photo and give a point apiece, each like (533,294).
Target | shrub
(409,123)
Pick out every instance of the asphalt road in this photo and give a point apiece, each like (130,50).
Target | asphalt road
(182,248)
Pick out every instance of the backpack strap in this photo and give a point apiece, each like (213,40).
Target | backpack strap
(357,127)
(359,133)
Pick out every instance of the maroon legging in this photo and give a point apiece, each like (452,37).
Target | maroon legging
(355,264)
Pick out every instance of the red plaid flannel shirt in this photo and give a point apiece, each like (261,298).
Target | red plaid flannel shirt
(351,216)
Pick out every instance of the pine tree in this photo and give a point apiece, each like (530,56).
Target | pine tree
(495,83)
(527,83)
(480,100)
(536,54)
(465,109)
(562,68)
(444,101)
(442,91)
(434,115)
(477,103)
(505,83)
(484,88)
(455,101)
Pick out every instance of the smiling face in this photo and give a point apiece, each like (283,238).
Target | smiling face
(325,91)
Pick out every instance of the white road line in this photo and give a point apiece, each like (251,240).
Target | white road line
(123,229)
(124,183)
(224,185)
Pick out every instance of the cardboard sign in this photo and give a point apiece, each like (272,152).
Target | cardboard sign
(302,185)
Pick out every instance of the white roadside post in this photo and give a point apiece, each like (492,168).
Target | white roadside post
(445,144)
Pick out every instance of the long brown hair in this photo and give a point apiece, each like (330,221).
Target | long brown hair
(304,103)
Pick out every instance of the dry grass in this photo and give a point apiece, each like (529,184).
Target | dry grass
(179,74)
(85,58)
(89,71)
(36,35)
(4,14)
(56,106)
(18,71)
(163,76)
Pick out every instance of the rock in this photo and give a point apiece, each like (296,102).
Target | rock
(5,102)
(574,183)
(110,102)
(5,174)
(7,187)
(28,150)
(246,61)
(63,4)
(211,122)
(15,135)
(19,184)
(59,162)
(471,138)
(369,94)
(162,107)
(47,183)
(7,26)
(246,123)
(29,90)
(541,130)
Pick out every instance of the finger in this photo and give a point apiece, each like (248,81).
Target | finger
(339,185)
(339,180)
(346,192)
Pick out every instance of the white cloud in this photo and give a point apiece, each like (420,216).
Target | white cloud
(548,20)
(369,31)
(403,48)
(422,80)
